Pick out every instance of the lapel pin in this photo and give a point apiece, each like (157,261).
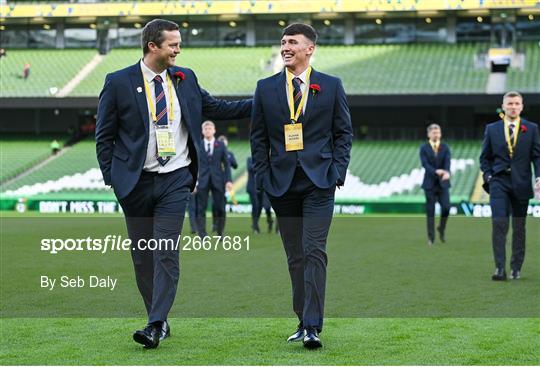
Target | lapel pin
(139,89)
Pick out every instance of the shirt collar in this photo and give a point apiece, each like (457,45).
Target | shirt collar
(507,122)
(302,76)
(149,75)
(211,141)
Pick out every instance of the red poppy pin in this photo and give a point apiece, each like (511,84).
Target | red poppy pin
(216,144)
(179,77)
(315,88)
(523,129)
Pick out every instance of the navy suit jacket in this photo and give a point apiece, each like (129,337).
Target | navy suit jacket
(250,187)
(495,157)
(232,159)
(216,167)
(123,123)
(327,133)
(432,162)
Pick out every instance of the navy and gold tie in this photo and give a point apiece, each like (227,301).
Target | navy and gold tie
(297,93)
(511,128)
(161,111)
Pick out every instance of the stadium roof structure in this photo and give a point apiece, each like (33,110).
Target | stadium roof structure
(61,9)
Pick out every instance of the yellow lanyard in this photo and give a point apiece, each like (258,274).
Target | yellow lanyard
(435,146)
(296,115)
(511,145)
(153,105)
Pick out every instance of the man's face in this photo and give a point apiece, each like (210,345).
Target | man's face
(296,50)
(512,106)
(435,134)
(209,131)
(169,48)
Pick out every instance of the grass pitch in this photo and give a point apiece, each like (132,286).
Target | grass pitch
(390,299)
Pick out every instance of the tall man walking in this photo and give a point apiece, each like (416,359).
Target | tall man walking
(301,138)
(510,146)
(148,139)
(214,177)
(435,158)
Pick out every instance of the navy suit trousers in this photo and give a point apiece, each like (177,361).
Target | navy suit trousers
(155,209)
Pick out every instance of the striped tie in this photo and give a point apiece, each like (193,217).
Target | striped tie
(297,92)
(511,126)
(161,111)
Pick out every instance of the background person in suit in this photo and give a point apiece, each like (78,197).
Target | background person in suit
(152,181)
(192,211)
(301,137)
(215,177)
(234,165)
(259,201)
(435,158)
(510,146)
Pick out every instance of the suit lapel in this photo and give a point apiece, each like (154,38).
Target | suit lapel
(314,78)
(137,84)
(281,92)
(521,140)
(502,137)
(181,92)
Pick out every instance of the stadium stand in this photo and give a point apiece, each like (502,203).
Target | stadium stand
(400,69)
(371,69)
(50,70)
(18,154)
(380,171)
(223,71)
(527,81)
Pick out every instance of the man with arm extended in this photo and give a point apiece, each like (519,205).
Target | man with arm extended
(301,137)
(148,140)
(510,146)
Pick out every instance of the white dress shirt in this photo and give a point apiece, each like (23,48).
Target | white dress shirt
(303,87)
(179,130)
(211,142)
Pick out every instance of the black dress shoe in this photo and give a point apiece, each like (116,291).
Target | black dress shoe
(499,274)
(441,235)
(298,335)
(311,339)
(149,336)
(165,331)
(515,274)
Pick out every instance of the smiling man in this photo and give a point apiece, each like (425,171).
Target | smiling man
(148,140)
(301,138)
(510,146)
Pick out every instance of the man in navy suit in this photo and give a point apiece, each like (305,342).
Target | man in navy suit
(435,158)
(510,146)
(148,143)
(234,165)
(259,201)
(215,177)
(301,137)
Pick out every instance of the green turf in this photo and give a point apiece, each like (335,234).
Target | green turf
(390,299)
(262,341)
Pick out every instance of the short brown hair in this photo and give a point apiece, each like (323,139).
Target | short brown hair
(153,32)
(512,94)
